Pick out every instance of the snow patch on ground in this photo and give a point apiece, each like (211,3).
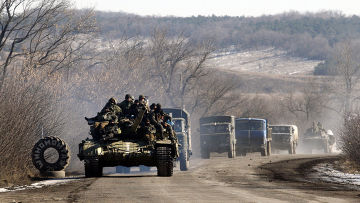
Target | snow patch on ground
(326,172)
(267,60)
(39,184)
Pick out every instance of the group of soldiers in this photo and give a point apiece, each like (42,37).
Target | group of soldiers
(131,119)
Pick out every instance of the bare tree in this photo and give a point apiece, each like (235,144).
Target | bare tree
(309,102)
(42,33)
(348,68)
(172,57)
(213,94)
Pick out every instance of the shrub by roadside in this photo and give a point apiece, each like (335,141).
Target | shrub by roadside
(349,138)
(25,112)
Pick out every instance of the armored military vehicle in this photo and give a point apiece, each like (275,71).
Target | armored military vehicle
(317,138)
(253,135)
(128,148)
(181,120)
(285,137)
(217,134)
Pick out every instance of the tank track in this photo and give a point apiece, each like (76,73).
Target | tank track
(165,162)
(93,168)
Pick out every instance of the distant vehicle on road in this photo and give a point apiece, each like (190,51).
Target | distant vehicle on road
(181,120)
(285,137)
(253,135)
(217,134)
(317,138)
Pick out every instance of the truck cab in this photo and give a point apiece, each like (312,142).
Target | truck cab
(217,135)
(181,119)
(253,135)
(285,137)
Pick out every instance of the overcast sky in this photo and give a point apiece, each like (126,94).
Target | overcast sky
(220,7)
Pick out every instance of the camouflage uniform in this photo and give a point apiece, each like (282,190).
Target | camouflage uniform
(164,118)
(126,105)
(147,130)
(104,125)
(134,109)
(152,117)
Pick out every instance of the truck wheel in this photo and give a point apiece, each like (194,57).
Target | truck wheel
(165,162)
(184,161)
(50,154)
(232,152)
(205,153)
(268,148)
(93,168)
(264,150)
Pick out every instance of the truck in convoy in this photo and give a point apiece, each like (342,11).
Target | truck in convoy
(253,135)
(285,137)
(217,134)
(181,120)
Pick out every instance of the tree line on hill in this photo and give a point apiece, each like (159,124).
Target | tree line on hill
(313,36)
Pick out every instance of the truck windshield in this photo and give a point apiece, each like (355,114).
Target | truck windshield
(250,125)
(222,128)
(177,125)
(280,129)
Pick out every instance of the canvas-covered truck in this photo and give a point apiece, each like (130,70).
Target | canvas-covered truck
(285,137)
(253,135)
(127,147)
(181,120)
(217,134)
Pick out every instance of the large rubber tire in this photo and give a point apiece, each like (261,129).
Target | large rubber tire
(268,149)
(93,168)
(38,154)
(184,161)
(165,162)
(232,152)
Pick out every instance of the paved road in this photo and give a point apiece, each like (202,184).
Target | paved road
(279,178)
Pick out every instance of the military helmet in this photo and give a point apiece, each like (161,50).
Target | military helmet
(112,100)
(128,96)
(153,106)
(158,105)
(141,97)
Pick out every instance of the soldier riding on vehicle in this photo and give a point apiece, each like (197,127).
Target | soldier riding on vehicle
(129,135)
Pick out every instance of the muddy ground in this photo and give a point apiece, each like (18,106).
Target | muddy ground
(244,179)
